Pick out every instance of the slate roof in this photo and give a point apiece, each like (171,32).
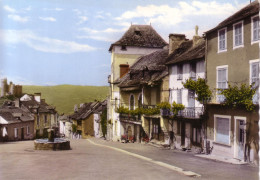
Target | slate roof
(14,114)
(141,36)
(147,69)
(187,52)
(250,10)
(42,106)
(87,109)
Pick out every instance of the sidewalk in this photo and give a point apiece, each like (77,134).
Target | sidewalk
(221,159)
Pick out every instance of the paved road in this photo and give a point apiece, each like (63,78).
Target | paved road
(89,160)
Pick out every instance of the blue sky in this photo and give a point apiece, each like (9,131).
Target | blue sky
(54,42)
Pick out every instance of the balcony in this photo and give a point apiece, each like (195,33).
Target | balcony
(191,112)
(128,118)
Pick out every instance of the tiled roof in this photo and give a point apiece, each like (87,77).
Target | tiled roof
(141,36)
(147,69)
(88,108)
(250,10)
(14,114)
(187,52)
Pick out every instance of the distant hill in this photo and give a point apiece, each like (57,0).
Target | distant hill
(64,97)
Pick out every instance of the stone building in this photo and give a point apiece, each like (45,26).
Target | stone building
(137,41)
(10,89)
(16,123)
(45,115)
(87,119)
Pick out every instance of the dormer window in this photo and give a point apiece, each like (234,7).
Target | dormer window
(123,48)
(138,33)
(238,35)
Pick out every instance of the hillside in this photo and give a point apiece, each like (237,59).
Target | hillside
(64,97)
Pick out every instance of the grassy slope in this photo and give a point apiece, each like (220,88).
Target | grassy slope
(64,97)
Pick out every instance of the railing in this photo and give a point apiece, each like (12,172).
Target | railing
(129,117)
(148,106)
(191,112)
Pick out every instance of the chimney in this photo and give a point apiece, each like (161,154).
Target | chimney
(124,68)
(75,108)
(17,102)
(196,37)
(175,41)
(37,97)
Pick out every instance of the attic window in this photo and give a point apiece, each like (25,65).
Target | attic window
(123,48)
(137,32)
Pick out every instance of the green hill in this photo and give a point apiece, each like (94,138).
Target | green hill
(64,97)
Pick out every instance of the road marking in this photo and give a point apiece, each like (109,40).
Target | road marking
(174,168)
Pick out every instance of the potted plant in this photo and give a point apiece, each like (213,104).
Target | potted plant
(124,138)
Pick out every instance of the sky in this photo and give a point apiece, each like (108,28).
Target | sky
(55,42)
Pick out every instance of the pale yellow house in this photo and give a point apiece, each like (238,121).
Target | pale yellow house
(138,40)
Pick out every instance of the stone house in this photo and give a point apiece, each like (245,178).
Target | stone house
(87,119)
(137,41)
(186,60)
(232,56)
(16,124)
(45,115)
(143,87)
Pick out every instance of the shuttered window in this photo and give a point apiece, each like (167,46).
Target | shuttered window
(193,70)
(221,82)
(222,130)
(179,72)
(238,34)
(255,29)
(179,96)
(132,102)
(222,40)
(255,80)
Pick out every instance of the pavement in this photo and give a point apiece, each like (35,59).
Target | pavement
(101,159)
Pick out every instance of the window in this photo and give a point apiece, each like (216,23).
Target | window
(123,48)
(222,129)
(116,103)
(221,81)
(140,101)
(255,29)
(179,72)
(193,70)
(45,119)
(222,40)
(254,79)
(15,132)
(179,96)
(79,122)
(38,120)
(27,130)
(132,102)
(238,35)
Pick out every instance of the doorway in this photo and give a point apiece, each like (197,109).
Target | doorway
(240,133)
(22,133)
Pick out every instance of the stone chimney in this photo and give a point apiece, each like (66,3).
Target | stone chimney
(196,37)
(37,97)
(124,68)
(175,41)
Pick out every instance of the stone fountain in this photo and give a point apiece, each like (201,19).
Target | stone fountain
(51,143)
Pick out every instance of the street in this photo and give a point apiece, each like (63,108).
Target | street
(100,159)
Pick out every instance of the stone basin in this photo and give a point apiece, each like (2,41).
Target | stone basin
(58,144)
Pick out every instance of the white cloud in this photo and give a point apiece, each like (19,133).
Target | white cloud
(77,11)
(29,8)
(17,80)
(167,15)
(108,30)
(99,38)
(53,9)
(47,19)
(43,44)
(9,9)
(18,18)
(82,19)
